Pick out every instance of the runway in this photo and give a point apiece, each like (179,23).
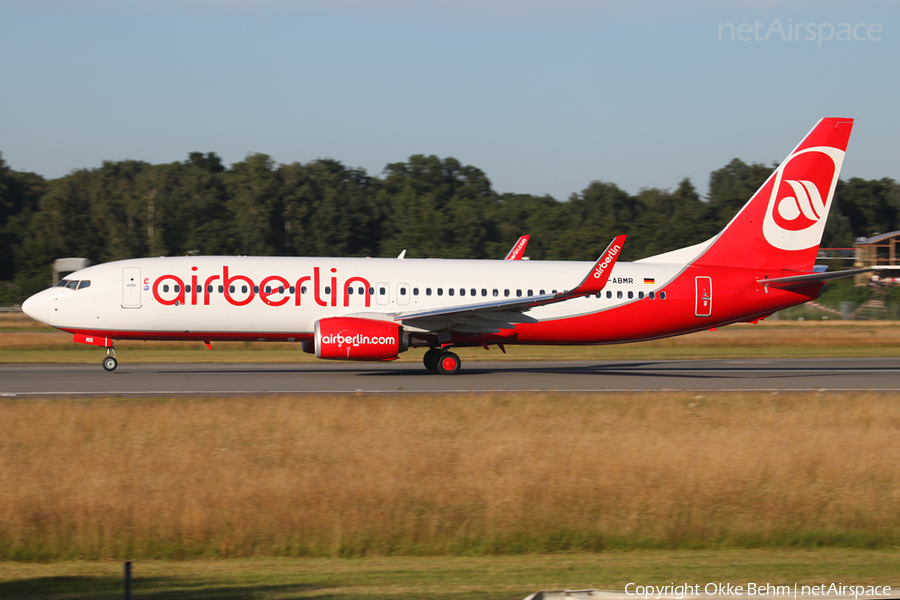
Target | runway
(593,376)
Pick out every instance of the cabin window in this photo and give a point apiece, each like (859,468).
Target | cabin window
(553,292)
(415,291)
(402,291)
(473,291)
(608,294)
(619,294)
(542,293)
(221,289)
(518,293)
(440,291)
(483,291)
(462,291)
(187,288)
(506,293)
(599,294)
(209,289)
(280,289)
(495,292)
(371,290)
(361,290)
(177,288)
(328,290)
(230,289)
(165,286)
(640,295)
(630,295)
(450,291)
(349,291)
(662,295)
(291,289)
(255,289)
(84,283)
(652,295)
(427,291)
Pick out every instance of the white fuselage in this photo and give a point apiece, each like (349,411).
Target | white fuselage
(171,295)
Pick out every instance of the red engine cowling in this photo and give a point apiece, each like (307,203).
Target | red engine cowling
(351,338)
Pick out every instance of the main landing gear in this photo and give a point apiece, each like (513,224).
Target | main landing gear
(110,363)
(438,360)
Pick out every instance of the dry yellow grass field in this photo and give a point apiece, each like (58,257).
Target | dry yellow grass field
(366,475)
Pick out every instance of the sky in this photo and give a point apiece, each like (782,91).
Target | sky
(544,97)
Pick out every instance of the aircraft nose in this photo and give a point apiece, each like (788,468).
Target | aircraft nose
(36,307)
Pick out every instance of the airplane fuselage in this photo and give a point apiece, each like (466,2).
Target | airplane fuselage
(281,298)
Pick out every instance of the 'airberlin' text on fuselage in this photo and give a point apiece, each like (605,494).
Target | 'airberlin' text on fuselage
(273,290)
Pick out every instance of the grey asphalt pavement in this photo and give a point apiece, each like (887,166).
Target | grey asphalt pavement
(167,378)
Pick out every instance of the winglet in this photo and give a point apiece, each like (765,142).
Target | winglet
(599,275)
(518,249)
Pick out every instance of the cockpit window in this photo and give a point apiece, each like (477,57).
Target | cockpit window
(74,284)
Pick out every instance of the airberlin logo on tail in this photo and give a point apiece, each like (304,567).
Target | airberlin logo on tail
(800,198)
(806,201)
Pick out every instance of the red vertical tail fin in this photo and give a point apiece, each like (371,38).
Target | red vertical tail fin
(781,226)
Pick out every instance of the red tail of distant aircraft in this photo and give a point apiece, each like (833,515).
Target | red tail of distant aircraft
(518,249)
(375,309)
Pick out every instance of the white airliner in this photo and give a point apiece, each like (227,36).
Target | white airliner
(374,308)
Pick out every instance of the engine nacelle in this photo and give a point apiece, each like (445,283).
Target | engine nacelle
(352,338)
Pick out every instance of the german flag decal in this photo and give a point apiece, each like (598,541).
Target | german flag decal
(649,280)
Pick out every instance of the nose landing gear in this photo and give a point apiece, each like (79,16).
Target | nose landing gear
(110,363)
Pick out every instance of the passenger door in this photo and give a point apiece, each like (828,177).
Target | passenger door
(703,289)
(131,287)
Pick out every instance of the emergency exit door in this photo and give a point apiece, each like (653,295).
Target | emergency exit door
(131,287)
(703,288)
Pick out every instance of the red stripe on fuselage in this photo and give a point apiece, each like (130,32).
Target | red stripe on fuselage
(201,336)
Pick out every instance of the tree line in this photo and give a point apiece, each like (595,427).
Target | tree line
(430,206)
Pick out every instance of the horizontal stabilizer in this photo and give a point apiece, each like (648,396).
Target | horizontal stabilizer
(794,280)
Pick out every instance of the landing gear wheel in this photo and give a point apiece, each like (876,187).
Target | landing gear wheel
(110,363)
(448,363)
(431,359)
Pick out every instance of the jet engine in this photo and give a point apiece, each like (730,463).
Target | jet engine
(353,338)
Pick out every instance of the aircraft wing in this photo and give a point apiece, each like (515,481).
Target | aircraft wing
(518,249)
(491,317)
